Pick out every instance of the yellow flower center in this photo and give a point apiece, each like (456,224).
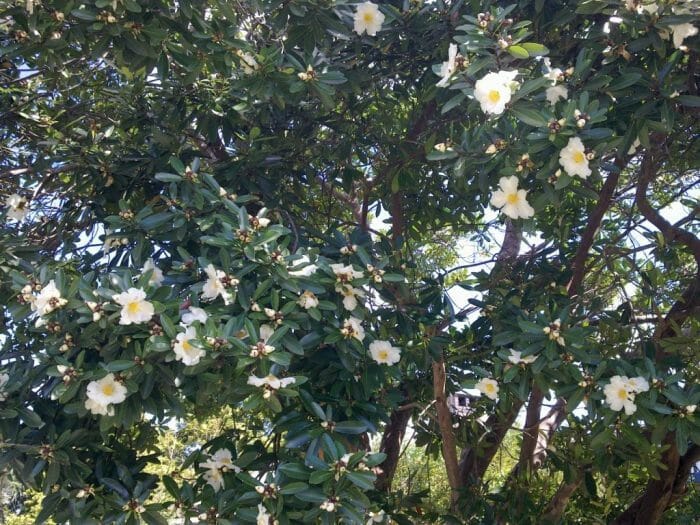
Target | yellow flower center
(186,346)
(368,18)
(383,355)
(108,390)
(512,198)
(133,307)
(494,95)
(578,157)
(489,388)
(622,393)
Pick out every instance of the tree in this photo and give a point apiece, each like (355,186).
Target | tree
(216,206)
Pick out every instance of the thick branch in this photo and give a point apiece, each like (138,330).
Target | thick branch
(391,446)
(530,432)
(605,198)
(546,428)
(476,459)
(648,508)
(343,197)
(555,507)
(449,445)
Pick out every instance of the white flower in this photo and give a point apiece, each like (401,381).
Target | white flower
(573,158)
(345,273)
(306,270)
(194,314)
(258,223)
(353,328)
(376,517)
(681,32)
(637,384)
(106,391)
(383,353)
(248,62)
(619,394)
(554,74)
(488,387)
(511,200)
(48,299)
(308,300)
(368,18)
(186,351)
(213,287)
(639,7)
(448,68)
(350,295)
(18,208)
(98,409)
(157,275)
(515,358)
(135,308)
(215,478)
(263,517)
(4,378)
(494,90)
(554,93)
(266,331)
(328,506)
(221,459)
(273,382)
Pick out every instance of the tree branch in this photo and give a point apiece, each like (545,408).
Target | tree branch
(605,198)
(448,443)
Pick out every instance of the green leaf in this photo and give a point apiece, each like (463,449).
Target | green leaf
(320,476)
(534,49)
(690,101)
(529,116)
(295,471)
(518,52)
(154,221)
(293,488)
(350,427)
(364,480)
(168,177)
(119,365)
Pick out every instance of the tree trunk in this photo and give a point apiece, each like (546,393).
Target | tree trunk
(475,460)
(393,435)
(530,433)
(556,506)
(448,444)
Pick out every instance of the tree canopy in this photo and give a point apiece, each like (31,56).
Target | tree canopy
(323,224)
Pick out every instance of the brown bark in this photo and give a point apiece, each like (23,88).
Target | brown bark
(530,432)
(546,429)
(392,437)
(448,443)
(556,506)
(476,459)
(605,198)
(662,493)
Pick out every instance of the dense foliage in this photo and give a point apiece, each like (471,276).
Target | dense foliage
(258,211)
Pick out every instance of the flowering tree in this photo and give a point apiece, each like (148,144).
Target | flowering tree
(228,205)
